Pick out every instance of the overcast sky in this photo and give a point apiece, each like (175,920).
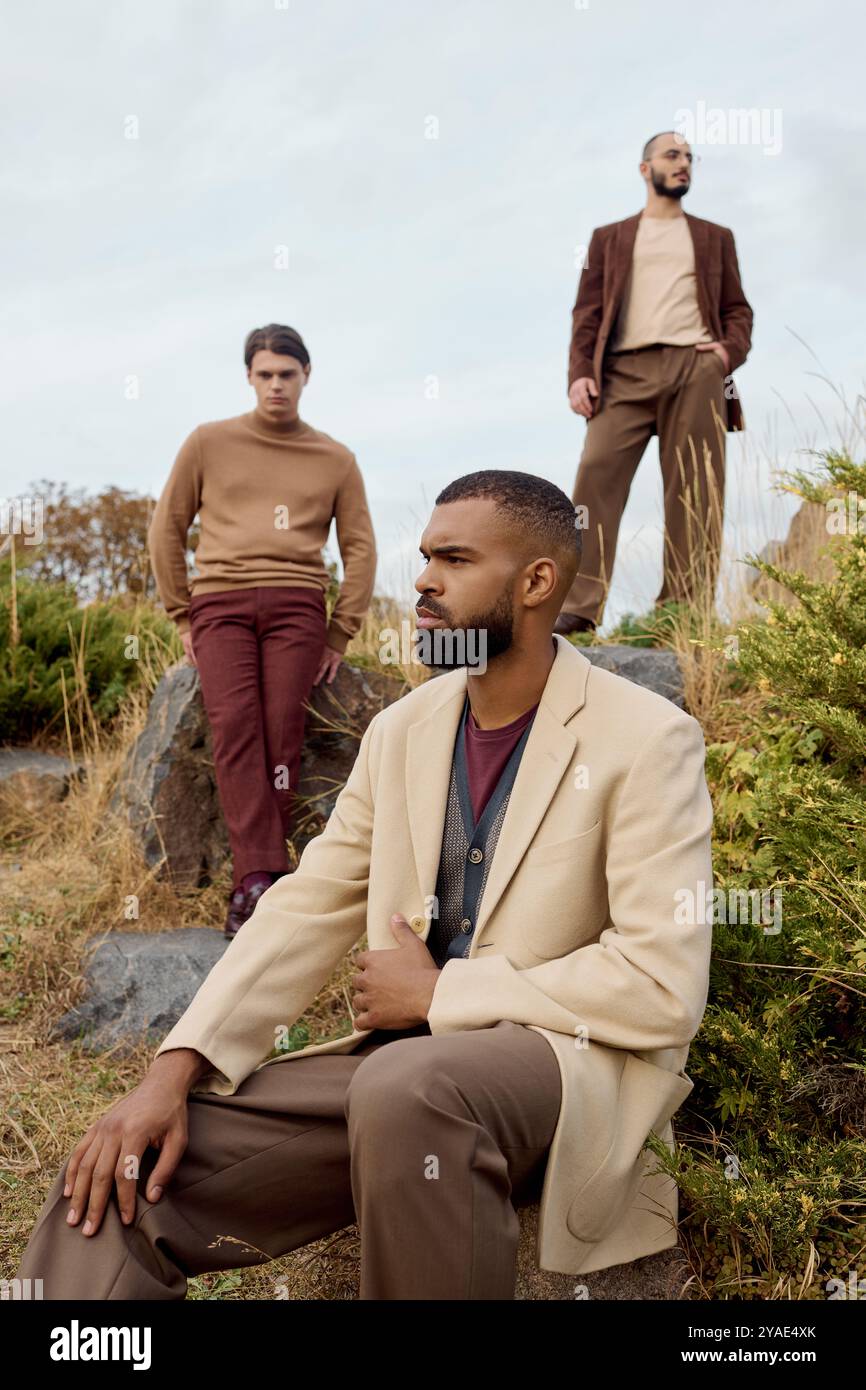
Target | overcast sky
(409,259)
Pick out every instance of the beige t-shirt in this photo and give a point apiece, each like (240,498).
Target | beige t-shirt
(660,300)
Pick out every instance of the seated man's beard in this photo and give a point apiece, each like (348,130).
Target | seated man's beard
(661,187)
(472,643)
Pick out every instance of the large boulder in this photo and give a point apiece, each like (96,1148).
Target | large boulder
(138,985)
(340,712)
(167,789)
(808,547)
(660,1276)
(652,667)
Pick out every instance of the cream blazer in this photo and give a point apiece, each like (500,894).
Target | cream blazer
(592,930)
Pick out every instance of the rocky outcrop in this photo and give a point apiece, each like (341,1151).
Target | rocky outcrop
(329,1269)
(339,715)
(656,1277)
(808,546)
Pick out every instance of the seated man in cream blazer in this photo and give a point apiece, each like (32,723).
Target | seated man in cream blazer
(526,841)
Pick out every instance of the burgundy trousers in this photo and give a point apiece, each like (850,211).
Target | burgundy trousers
(257,652)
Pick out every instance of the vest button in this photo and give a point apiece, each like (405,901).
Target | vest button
(476,855)
(417,923)
(466,925)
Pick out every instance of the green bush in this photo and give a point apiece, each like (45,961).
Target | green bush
(772,1152)
(87,647)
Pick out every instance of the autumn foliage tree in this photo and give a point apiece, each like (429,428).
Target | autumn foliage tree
(97,544)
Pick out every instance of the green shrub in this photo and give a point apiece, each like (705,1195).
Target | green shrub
(772,1153)
(86,647)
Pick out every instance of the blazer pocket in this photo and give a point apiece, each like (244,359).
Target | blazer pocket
(649,1095)
(560,851)
(553,877)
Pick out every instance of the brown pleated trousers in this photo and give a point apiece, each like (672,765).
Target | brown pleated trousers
(428,1142)
(679,394)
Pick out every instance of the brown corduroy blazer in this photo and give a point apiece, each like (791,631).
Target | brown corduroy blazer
(723,305)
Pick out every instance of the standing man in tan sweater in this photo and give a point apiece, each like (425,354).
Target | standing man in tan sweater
(659,324)
(265,486)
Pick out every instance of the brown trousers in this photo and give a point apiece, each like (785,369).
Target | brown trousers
(428,1142)
(257,652)
(679,394)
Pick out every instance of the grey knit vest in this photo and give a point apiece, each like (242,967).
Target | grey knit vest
(467,851)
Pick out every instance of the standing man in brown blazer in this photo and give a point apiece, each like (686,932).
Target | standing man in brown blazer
(659,324)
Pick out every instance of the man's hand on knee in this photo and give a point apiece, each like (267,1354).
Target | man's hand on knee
(110,1153)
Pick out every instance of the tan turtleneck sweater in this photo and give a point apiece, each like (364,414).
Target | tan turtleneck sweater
(265,494)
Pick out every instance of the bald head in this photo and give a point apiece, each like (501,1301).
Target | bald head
(662,135)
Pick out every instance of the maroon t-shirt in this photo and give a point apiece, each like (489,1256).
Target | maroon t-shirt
(487,752)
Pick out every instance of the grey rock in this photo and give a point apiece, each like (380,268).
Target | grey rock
(35,778)
(167,788)
(652,667)
(138,985)
(339,714)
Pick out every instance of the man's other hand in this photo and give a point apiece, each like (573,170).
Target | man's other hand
(580,394)
(718,348)
(328,664)
(186,639)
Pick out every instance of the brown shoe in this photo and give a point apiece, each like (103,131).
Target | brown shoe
(573,622)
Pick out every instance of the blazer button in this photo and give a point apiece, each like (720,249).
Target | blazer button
(466,925)
(476,855)
(417,923)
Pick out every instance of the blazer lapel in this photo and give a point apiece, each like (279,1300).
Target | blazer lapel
(626,231)
(546,758)
(429,750)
